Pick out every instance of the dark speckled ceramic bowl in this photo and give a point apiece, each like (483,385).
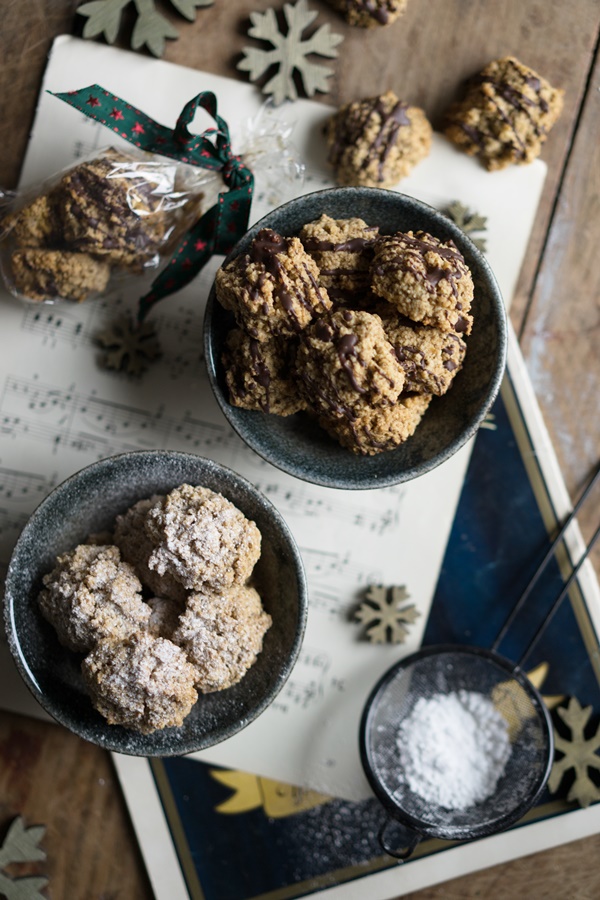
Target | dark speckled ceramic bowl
(296,444)
(88,502)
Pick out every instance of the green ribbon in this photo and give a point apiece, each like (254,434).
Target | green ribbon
(223,225)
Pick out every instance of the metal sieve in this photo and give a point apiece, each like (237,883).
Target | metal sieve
(444,669)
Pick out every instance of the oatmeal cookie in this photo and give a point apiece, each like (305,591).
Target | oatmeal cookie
(377,429)
(44,275)
(370,13)
(91,595)
(201,539)
(35,225)
(259,374)
(144,683)
(426,279)
(222,635)
(506,114)
(346,363)
(430,358)
(109,211)
(377,141)
(343,250)
(136,545)
(273,289)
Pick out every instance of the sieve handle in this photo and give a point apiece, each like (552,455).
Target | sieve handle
(542,566)
(560,598)
(405,850)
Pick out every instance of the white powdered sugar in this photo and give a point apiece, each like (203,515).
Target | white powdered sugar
(453,748)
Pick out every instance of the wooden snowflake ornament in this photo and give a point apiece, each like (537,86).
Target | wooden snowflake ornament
(470,222)
(21,846)
(128,347)
(578,753)
(385,616)
(290,52)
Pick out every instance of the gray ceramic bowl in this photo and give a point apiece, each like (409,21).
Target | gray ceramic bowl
(88,502)
(298,445)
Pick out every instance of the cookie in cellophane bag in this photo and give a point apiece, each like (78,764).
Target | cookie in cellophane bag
(116,214)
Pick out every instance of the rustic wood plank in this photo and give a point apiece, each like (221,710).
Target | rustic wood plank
(561,335)
(52,778)
(26,35)
(555,874)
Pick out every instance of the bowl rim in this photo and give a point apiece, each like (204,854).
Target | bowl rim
(110,733)
(290,467)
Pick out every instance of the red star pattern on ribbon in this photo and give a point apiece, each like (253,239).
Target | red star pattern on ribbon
(225,222)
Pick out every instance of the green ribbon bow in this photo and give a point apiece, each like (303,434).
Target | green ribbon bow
(218,229)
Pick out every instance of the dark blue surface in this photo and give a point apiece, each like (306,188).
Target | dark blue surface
(497,540)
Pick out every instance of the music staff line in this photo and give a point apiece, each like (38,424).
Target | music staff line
(19,486)
(91,424)
(310,682)
(377,520)
(11,520)
(77,326)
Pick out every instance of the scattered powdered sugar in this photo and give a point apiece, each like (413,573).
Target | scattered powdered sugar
(453,748)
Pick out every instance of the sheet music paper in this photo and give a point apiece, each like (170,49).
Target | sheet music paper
(59,412)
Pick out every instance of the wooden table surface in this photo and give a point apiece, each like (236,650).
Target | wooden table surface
(51,777)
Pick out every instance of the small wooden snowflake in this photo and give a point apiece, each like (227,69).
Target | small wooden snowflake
(21,845)
(468,221)
(384,616)
(129,347)
(290,52)
(578,753)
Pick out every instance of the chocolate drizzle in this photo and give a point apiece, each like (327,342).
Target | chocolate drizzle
(384,142)
(474,134)
(329,394)
(404,260)
(261,373)
(379,13)
(265,251)
(517,99)
(353,245)
(351,125)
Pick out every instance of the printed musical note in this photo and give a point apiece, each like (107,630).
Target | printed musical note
(20,487)
(92,424)
(179,328)
(52,323)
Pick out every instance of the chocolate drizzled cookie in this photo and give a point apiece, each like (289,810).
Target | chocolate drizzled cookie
(45,275)
(425,279)
(107,210)
(376,429)
(430,358)
(259,374)
(343,250)
(345,364)
(506,114)
(377,141)
(370,13)
(274,288)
